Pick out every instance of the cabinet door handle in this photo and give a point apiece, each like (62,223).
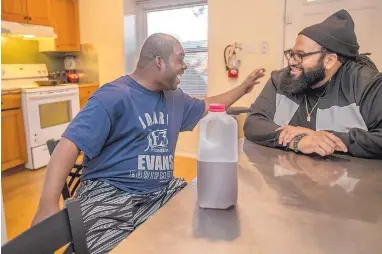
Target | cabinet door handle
(29,18)
(26,18)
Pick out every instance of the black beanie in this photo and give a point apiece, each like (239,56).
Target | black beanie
(336,33)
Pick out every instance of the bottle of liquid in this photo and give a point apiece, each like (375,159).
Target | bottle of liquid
(217,159)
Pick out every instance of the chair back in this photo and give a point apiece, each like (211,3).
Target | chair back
(63,228)
(73,179)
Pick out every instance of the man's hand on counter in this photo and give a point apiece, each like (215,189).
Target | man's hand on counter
(288,133)
(320,142)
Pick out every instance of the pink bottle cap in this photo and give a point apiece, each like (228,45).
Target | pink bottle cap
(217,108)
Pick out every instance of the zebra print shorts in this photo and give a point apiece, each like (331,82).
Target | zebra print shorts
(111,214)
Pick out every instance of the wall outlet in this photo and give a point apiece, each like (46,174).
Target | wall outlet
(288,19)
(264,49)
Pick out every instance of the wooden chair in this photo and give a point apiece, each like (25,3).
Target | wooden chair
(73,179)
(53,233)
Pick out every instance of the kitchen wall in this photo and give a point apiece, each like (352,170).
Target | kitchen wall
(20,51)
(246,21)
(250,22)
(101,24)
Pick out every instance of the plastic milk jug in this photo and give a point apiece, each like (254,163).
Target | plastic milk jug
(217,159)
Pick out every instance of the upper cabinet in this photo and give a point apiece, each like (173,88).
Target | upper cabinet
(38,12)
(34,12)
(65,19)
(14,10)
(62,15)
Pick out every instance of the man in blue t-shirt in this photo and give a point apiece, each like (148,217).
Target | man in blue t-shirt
(128,132)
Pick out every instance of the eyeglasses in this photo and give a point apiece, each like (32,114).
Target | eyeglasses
(298,57)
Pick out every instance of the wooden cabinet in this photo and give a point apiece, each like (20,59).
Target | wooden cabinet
(85,92)
(13,144)
(39,12)
(14,10)
(36,12)
(65,20)
(63,15)
(10,101)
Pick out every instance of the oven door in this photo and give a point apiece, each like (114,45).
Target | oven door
(49,114)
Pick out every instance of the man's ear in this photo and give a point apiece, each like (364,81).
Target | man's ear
(331,60)
(159,62)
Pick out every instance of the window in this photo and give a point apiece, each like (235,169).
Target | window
(189,25)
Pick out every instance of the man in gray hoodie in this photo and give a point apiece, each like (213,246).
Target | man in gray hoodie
(328,99)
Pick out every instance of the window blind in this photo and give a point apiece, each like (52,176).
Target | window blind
(191,30)
(194,79)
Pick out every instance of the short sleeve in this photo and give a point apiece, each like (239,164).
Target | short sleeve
(193,111)
(90,128)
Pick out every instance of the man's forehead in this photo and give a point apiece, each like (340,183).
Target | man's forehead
(305,44)
(178,49)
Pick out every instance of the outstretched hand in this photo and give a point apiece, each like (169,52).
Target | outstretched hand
(253,78)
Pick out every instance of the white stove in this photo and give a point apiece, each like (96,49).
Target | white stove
(47,110)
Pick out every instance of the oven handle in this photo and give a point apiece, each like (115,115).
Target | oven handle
(51,95)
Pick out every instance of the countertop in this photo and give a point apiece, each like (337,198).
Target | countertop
(87,84)
(5,90)
(10,90)
(288,203)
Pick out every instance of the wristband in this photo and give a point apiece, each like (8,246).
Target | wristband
(296,140)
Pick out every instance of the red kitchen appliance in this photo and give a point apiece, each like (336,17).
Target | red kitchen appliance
(72,76)
(70,69)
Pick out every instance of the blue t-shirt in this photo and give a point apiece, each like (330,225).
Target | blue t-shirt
(128,134)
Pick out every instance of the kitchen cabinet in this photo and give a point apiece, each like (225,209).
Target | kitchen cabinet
(65,20)
(13,143)
(86,90)
(36,12)
(14,10)
(10,101)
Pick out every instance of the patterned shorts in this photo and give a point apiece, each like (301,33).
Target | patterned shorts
(111,214)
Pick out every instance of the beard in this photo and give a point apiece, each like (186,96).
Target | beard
(291,85)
